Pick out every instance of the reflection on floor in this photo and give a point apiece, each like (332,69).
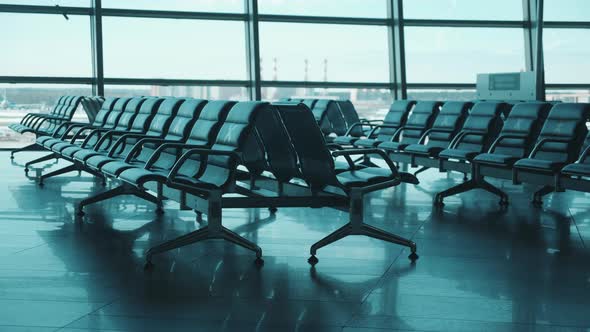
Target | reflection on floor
(480,268)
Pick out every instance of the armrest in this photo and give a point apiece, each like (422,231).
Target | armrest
(337,147)
(121,141)
(542,142)
(172,144)
(584,154)
(381,153)
(381,126)
(95,132)
(433,130)
(503,137)
(357,124)
(178,165)
(462,135)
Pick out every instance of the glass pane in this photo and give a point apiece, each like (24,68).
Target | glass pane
(45,45)
(568,96)
(16,100)
(369,103)
(166,48)
(335,53)
(205,92)
(223,6)
(342,8)
(566,10)
(464,9)
(457,55)
(62,3)
(442,94)
(567,59)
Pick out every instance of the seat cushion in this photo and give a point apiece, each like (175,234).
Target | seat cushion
(83,154)
(425,150)
(496,159)
(139,176)
(367,143)
(43,139)
(58,147)
(364,177)
(98,161)
(70,151)
(115,167)
(345,140)
(577,169)
(458,154)
(538,164)
(392,146)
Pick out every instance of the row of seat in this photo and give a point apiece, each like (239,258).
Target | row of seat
(532,142)
(198,152)
(45,123)
(335,117)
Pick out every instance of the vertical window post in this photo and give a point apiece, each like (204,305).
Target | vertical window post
(397,60)
(253,49)
(97,54)
(533,41)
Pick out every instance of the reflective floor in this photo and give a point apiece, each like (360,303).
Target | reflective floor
(480,268)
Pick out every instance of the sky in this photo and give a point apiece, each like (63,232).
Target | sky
(49,45)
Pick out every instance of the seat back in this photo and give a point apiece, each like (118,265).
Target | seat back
(103,112)
(187,114)
(396,117)
(207,125)
(309,103)
(232,136)
(315,161)
(420,120)
(485,119)
(142,122)
(327,115)
(274,141)
(164,115)
(450,119)
(526,120)
(566,121)
(129,113)
(59,104)
(350,117)
(114,115)
(70,109)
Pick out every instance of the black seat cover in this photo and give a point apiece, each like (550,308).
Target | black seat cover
(566,122)
(421,119)
(525,120)
(485,120)
(233,135)
(582,166)
(446,125)
(394,119)
(203,133)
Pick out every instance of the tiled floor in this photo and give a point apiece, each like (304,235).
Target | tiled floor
(481,268)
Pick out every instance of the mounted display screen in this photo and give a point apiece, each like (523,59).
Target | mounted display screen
(504,82)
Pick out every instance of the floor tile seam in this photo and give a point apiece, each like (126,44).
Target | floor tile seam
(23,250)
(473,321)
(577,228)
(87,314)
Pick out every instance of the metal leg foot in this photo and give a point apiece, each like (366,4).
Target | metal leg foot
(207,233)
(39,160)
(121,190)
(538,195)
(60,171)
(460,188)
(332,237)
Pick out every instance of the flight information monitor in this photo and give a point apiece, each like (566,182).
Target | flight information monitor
(507,86)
